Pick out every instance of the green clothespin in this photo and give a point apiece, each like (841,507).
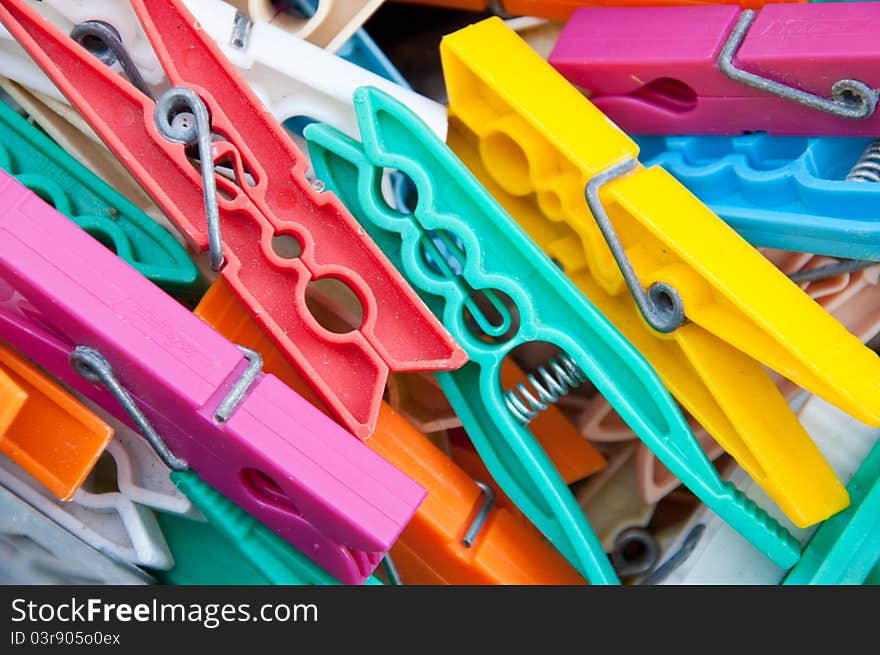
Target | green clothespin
(232,548)
(494,258)
(45,168)
(845,550)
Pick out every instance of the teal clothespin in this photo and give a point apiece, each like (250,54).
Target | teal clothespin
(846,547)
(497,259)
(233,547)
(45,168)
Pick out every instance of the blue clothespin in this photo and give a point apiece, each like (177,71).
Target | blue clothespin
(816,195)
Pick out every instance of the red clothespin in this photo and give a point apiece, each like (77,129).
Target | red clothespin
(266,200)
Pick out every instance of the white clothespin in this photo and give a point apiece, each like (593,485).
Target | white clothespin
(292,77)
(35,550)
(721,556)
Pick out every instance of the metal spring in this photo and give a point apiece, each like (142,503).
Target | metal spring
(867,168)
(563,375)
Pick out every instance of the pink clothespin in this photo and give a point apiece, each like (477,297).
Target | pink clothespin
(87,317)
(792,68)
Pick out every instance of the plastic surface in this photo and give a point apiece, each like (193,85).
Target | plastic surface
(240,550)
(653,70)
(331,25)
(742,311)
(852,298)
(105,520)
(46,169)
(778,192)
(549,309)
(846,547)
(44,429)
(36,550)
(348,370)
(562,9)
(722,556)
(276,456)
(309,83)
(429,550)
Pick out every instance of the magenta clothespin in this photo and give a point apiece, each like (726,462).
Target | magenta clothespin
(655,70)
(246,433)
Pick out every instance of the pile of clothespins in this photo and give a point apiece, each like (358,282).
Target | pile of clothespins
(596,306)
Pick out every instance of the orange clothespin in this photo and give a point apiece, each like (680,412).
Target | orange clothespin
(44,429)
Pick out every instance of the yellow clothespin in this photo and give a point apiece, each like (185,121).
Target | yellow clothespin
(703,306)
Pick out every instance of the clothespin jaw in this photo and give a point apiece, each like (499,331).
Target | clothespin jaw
(549,309)
(348,371)
(44,429)
(247,434)
(790,193)
(721,70)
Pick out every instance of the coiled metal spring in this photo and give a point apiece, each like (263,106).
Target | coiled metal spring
(555,379)
(867,168)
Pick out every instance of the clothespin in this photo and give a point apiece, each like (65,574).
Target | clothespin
(77,193)
(433,549)
(852,298)
(723,70)
(547,308)
(232,548)
(109,522)
(110,510)
(811,195)
(329,27)
(44,429)
(36,550)
(704,308)
(308,82)
(719,556)
(562,9)
(268,260)
(88,318)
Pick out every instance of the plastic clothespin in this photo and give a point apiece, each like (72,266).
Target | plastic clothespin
(329,27)
(723,70)
(548,308)
(309,83)
(431,550)
(562,9)
(36,550)
(247,434)
(720,556)
(44,429)
(77,193)
(853,298)
(719,310)
(811,195)
(420,400)
(846,547)
(268,260)
(232,548)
